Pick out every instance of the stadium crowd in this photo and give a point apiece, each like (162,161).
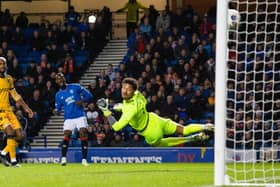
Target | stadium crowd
(253,104)
(171,54)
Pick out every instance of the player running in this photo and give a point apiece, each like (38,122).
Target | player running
(150,125)
(72,98)
(8,120)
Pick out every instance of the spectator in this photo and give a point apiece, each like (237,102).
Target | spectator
(118,141)
(136,140)
(93,114)
(154,104)
(48,93)
(163,21)
(132,7)
(68,67)
(18,37)
(205,27)
(5,34)
(22,20)
(146,29)
(178,19)
(169,109)
(6,18)
(36,104)
(72,17)
(109,135)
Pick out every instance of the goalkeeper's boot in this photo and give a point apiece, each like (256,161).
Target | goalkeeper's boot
(63,161)
(202,136)
(84,162)
(5,160)
(209,127)
(15,165)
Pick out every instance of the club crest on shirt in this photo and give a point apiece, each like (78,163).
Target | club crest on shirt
(71,91)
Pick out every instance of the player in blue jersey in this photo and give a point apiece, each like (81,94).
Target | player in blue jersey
(72,98)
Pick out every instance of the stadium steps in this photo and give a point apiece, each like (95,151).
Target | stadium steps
(52,131)
(113,53)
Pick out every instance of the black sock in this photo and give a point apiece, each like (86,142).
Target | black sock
(64,147)
(84,145)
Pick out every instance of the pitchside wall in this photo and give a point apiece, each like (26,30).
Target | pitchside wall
(122,155)
(147,155)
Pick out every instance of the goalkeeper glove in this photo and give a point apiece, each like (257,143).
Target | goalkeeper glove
(103,105)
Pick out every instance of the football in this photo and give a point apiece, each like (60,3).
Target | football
(233,18)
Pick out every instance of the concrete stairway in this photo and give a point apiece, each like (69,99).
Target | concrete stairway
(52,133)
(112,53)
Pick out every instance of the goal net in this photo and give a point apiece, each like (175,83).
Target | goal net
(250,108)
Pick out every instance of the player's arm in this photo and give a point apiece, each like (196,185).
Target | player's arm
(128,112)
(58,105)
(21,102)
(87,96)
(118,107)
(123,8)
(141,6)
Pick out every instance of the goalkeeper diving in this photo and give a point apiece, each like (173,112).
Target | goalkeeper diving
(151,126)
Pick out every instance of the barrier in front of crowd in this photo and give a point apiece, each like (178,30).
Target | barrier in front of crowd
(122,155)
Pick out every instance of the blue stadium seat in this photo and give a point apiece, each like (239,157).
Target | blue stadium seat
(192,121)
(28,33)
(207,115)
(23,66)
(79,60)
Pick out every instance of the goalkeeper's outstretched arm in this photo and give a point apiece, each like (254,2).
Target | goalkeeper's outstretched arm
(103,105)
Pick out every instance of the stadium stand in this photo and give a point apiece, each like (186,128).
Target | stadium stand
(174,66)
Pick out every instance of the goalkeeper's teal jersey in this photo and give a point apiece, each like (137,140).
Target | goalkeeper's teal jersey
(134,113)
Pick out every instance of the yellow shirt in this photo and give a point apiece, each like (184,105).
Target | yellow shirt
(132,11)
(6,89)
(134,113)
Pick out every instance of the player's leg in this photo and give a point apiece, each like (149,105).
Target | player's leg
(193,128)
(82,126)
(18,133)
(67,132)
(153,132)
(173,141)
(10,147)
(84,145)
(169,127)
(65,145)
(165,127)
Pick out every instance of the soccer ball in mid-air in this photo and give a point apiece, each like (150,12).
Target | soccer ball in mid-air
(233,18)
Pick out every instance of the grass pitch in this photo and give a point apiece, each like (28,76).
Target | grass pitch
(108,175)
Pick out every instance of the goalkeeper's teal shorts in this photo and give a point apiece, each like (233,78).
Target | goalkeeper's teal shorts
(158,127)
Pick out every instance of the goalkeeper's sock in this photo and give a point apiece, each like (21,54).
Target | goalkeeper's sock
(84,145)
(64,146)
(171,141)
(192,128)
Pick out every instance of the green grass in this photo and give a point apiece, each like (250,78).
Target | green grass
(128,175)
(255,172)
(105,175)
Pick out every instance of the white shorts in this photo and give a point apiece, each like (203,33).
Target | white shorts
(71,124)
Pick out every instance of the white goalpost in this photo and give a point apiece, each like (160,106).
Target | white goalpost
(247,108)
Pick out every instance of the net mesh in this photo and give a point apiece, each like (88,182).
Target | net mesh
(253,92)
